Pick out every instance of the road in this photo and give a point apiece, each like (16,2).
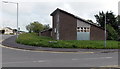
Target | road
(24,58)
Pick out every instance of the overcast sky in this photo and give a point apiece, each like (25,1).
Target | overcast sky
(38,10)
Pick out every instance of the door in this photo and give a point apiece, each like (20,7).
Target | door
(83,36)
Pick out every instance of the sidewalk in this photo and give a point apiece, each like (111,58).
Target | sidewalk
(10,42)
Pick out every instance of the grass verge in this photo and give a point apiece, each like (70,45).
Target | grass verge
(34,40)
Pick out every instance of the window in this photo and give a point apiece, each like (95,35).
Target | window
(87,31)
(78,30)
(87,27)
(6,30)
(83,29)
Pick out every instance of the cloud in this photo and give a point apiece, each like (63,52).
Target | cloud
(26,7)
(35,10)
(0,15)
(9,8)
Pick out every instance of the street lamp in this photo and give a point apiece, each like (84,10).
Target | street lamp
(105,32)
(17,13)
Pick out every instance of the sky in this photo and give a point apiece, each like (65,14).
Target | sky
(39,10)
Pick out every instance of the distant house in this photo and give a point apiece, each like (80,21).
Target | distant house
(14,31)
(2,31)
(8,30)
(67,26)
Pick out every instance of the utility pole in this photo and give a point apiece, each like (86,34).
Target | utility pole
(105,33)
(17,14)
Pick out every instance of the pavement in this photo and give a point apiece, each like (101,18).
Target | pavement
(10,42)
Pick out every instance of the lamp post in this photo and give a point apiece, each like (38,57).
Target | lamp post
(105,32)
(17,13)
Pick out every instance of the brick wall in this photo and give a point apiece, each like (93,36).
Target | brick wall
(67,27)
(54,18)
(96,33)
(46,33)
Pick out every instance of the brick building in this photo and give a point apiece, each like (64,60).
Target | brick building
(47,33)
(67,26)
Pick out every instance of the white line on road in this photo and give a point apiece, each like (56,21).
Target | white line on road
(39,61)
(100,58)
(110,66)
(94,58)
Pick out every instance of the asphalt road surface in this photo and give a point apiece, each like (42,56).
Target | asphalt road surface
(23,58)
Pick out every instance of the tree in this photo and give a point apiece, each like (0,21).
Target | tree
(100,18)
(90,21)
(118,24)
(111,21)
(35,27)
(46,27)
(28,27)
(112,34)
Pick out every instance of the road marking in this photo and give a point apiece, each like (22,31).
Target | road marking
(100,58)
(110,66)
(39,61)
(93,58)
(75,59)
(40,50)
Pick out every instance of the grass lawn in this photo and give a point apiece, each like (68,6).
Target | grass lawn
(34,40)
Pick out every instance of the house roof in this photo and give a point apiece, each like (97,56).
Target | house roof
(47,30)
(8,28)
(57,10)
